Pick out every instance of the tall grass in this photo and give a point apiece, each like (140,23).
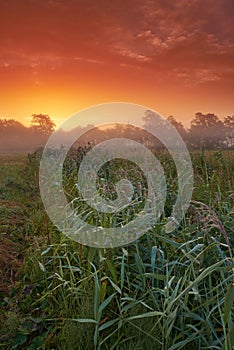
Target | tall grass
(165,291)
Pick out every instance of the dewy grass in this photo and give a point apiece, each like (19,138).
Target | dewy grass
(165,291)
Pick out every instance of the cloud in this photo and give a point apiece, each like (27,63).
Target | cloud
(164,36)
(133,55)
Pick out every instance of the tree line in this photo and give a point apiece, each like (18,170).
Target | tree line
(206,131)
(15,137)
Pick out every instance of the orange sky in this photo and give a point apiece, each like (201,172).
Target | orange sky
(59,56)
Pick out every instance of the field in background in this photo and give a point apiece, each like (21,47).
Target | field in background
(165,291)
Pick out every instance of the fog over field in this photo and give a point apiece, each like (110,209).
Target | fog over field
(206,130)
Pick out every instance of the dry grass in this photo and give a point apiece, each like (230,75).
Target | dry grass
(11,261)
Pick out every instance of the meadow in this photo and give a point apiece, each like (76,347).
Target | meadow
(165,291)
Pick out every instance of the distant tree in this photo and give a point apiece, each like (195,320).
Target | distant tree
(207,131)
(11,126)
(179,126)
(229,130)
(13,135)
(42,124)
(153,121)
(155,124)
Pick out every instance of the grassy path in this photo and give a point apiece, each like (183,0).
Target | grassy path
(18,198)
(13,203)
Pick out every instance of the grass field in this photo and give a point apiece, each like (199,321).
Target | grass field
(164,291)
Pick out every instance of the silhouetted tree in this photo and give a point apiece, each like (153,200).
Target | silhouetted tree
(156,124)
(207,131)
(11,126)
(13,135)
(229,130)
(179,127)
(42,124)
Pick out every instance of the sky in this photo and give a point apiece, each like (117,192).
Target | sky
(60,56)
